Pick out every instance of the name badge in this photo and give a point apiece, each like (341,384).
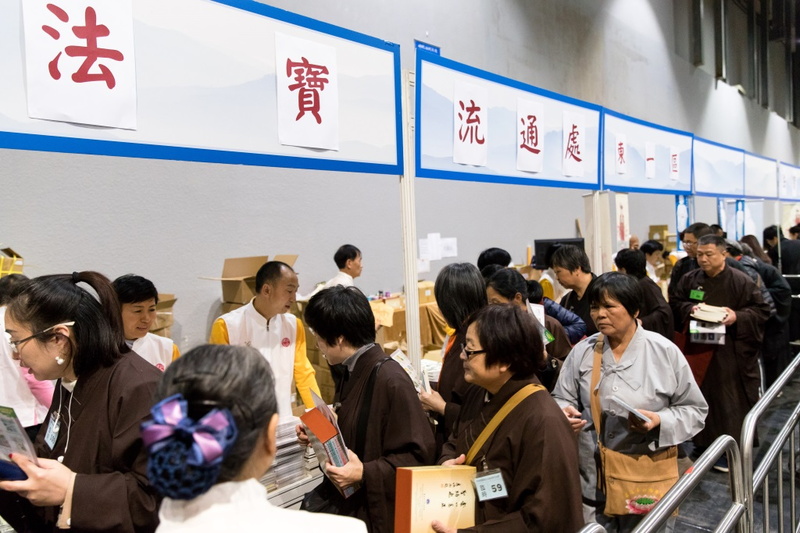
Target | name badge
(697,294)
(490,485)
(52,430)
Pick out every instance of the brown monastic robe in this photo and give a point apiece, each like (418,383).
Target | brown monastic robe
(654,311)
(111,493)
(537,453)
(398,434)
(453,390)
(732,380)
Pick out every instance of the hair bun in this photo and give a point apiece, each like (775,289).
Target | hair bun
(173,477)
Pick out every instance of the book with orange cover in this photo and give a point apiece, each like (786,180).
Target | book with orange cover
(428,493)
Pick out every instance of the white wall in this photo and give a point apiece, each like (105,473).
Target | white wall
(176,221)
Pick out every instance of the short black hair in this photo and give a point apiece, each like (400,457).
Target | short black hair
(341,312)
(270,272)
(651,246)
(698,229)
(633,261)
(345,253)
(237,378)
(771,232)
(133,289)
(510,336)
(795,230)
(716,240)
(494,256)
(10,286)
(535,291)
(616,286)
(460,291)
(507,282)
(571,258)
(489,270)
(716,228)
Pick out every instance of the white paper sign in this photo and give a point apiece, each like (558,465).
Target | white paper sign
(649,160)
(423,266)
(308,93)
(450,247)
(621,154)
(573,140)
(79,62)
(530,147)
(435,246)
(674,163)
(470,124)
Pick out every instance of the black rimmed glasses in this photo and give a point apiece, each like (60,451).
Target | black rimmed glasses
(470,353)
(16,344)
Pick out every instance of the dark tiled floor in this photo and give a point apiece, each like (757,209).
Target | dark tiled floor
(707,504)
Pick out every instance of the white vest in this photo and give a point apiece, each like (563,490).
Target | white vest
(14,390)
(154,349)
(277,344)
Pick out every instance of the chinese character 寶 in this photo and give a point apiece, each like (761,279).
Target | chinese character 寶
(621,152)
(310,82)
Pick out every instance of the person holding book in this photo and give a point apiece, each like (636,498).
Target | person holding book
(643,369)
(379,414)
(212,438)
(91,471)
(531,453)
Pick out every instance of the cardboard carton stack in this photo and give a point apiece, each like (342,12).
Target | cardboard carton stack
(10,262)
(238,279)
(164,318)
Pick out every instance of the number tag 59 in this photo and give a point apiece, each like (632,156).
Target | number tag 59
(489,485)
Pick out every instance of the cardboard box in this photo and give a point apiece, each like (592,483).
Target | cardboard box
(10,262)
(428,493)
(426,292)
(164,316)
(239,276)
(227,307)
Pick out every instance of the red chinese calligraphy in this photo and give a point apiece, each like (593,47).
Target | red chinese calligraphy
(621,153)
(573,146)
(530,134)
(89,32)
(674,166)
(308,82)
(469,130)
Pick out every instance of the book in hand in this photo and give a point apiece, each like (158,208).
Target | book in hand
(420,380)
(13,440)
(631,409)
(427,493)
(326,438)
(709,313)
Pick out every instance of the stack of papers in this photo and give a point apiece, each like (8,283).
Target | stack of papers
(289,465)
(710,313)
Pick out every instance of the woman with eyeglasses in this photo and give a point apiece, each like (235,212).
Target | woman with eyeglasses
(91,471)
(527,458)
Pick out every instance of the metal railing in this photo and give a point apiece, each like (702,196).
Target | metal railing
(664,509)
(592,528)
(773,458)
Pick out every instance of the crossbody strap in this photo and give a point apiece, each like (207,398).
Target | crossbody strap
(509,406)
(363,414)
(594,392)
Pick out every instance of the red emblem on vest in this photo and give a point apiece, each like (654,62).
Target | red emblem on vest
(160,367)
(286,342)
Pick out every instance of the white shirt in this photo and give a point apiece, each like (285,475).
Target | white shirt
(342,278)
(242,506)
(154,349)
(14,390)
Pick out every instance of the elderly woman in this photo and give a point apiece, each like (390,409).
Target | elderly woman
(215,487)
(532,450)
(639,367)
(460,291)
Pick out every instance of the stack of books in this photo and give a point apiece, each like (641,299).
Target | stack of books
(289,465)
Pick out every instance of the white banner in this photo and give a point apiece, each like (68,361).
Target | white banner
(573,139)
(530,150)
(470,124)
(621,157)
(79,61)
(308,93)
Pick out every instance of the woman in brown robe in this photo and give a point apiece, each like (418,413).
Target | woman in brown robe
(533,447)
(460,291)
(91,473)
(394,432)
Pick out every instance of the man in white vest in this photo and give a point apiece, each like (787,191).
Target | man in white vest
(266,324)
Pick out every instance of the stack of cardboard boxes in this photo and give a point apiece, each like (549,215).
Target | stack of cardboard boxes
(162,325)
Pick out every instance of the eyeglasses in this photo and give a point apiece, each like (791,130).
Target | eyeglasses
(689,243)
(16,344)
(470,353)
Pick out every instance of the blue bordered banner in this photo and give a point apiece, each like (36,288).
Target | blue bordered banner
(717,169)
